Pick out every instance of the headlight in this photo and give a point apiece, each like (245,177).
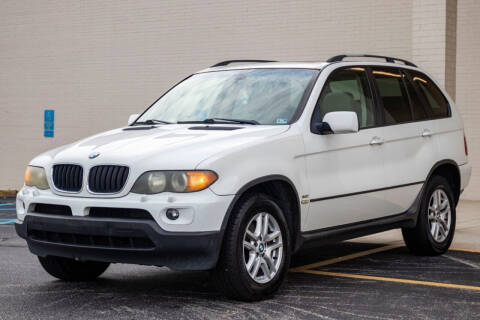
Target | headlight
(173,181)
(36,177)
(156,182)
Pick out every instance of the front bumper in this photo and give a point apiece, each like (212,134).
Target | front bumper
(191,242)
(199,211)
(118,240)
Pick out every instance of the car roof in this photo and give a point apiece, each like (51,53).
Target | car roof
(316,65)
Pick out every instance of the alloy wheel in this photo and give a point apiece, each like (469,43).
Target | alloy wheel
(263,247)
(439,215)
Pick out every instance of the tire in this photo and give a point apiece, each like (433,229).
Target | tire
(422,240)
(231,275)
(72,270)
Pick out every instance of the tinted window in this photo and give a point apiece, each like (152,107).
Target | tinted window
(435,102)
(393,95)
(348,90)
(418,105)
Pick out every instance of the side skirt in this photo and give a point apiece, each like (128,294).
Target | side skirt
(407,219)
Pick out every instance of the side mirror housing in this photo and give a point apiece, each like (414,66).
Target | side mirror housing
(132,118)
(338,122)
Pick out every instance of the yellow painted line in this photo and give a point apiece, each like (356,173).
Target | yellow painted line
(465,250)
(347,257)
(397,280)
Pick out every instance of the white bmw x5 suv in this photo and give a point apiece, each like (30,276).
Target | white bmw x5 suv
(240,165)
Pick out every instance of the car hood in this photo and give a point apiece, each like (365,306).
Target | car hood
(162,147)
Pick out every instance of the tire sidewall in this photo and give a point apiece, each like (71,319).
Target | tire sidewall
(435,184)
(256,205)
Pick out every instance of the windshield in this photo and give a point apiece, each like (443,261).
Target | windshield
(266,96)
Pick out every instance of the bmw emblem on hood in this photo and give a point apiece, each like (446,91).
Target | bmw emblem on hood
(93,155)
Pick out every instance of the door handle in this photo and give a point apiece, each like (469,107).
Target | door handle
(426,133)
(376,141)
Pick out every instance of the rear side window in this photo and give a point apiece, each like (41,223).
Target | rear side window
(348,90)
(393,95)
(435,102)
(417,103)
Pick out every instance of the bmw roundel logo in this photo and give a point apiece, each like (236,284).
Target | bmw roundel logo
(93,155)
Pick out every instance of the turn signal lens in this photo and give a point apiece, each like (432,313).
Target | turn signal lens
(199,180)
(36,177)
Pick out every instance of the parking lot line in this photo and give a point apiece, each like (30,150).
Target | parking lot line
(347,257)
(464,250)
(397,280)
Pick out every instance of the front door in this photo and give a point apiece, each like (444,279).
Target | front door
(345,171)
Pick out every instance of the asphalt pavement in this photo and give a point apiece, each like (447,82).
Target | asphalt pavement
(370,278)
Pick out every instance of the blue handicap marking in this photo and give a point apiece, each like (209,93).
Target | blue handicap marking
(7,221)
(48,123)
(7,204)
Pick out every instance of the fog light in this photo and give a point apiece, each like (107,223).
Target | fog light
(173,214)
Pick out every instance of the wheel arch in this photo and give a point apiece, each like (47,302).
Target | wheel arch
(280,188)
(449,170)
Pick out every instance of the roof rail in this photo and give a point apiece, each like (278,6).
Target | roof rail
(388,59)
(227,62)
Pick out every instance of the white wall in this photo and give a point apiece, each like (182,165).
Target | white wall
(468,84)
(96,62)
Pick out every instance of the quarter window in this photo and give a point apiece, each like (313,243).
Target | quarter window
(435,101)
(348,90)
(393,95)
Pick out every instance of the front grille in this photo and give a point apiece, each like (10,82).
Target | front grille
(93,241)
(107,179)
(54,209)
(68,177)
(120,213)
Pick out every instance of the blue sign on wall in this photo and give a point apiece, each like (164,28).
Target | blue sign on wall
(49,123)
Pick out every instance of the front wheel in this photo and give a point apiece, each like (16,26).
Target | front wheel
(435,227)
(72,270)
(256,250)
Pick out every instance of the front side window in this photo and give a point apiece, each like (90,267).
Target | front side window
(348,90)
(267,96)
(435,101)
(393,95)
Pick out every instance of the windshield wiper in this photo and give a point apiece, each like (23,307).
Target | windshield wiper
(152,121)
(223,120)
(243,121)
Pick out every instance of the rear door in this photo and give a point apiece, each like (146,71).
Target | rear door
(345,171)
(446,134)
(409,150)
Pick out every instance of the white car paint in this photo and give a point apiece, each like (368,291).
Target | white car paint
(342,121)
(319,166)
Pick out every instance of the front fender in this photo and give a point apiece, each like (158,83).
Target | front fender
(279,155)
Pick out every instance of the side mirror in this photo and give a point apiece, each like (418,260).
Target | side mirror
(132,118)
(338,122)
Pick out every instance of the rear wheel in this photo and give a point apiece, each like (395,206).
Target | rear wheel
(435,227)
(73,270)
(255,254)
